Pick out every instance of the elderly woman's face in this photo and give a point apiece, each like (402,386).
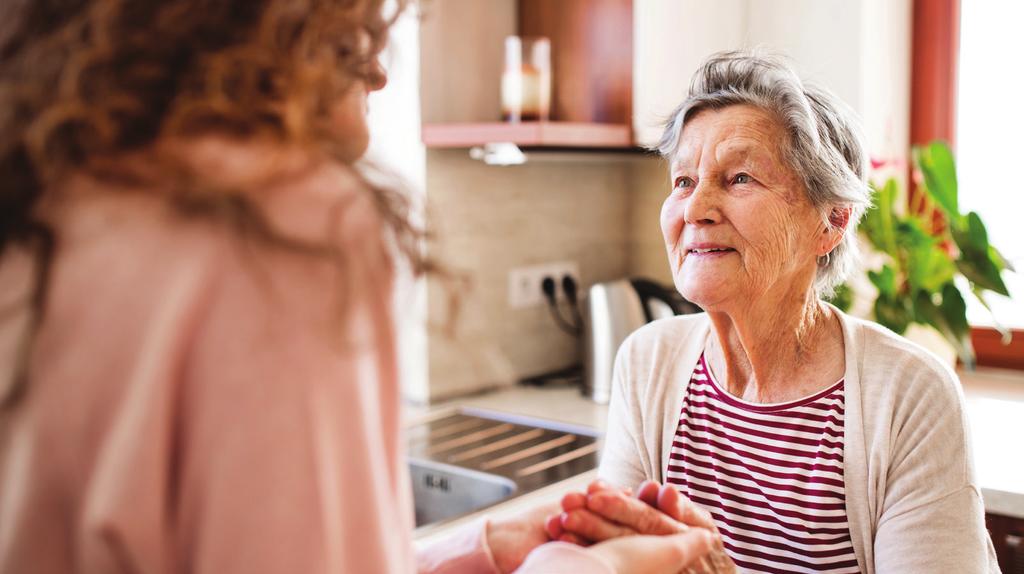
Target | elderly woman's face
(738,224)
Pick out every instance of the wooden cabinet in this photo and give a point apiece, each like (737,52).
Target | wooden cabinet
(591,53)
(1008,538)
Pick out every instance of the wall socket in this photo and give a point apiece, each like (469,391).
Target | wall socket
(524,283)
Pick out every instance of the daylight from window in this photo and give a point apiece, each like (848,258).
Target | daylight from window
(990,129)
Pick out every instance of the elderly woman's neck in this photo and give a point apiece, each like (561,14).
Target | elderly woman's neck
(774,353)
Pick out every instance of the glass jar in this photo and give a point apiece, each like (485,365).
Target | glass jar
(526,80)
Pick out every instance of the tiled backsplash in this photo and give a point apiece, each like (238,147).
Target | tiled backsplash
(601,213)
(648,186)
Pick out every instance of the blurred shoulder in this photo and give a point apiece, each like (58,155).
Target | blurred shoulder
(140,243)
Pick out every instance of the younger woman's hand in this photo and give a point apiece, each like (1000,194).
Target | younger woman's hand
(656,554)
(512,538)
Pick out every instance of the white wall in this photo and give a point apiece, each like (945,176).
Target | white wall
(885,83)
(670,40)
(396,146)
(860,49)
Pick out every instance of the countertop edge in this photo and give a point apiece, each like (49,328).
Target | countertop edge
(1003,502)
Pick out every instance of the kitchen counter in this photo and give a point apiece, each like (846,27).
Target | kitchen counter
(995,408)
(995,404)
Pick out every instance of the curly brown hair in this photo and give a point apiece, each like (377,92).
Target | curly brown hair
(82,81)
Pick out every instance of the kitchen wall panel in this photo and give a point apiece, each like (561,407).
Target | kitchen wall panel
(492,219)
(649,185)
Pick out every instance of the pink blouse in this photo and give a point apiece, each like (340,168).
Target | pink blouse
(196,403)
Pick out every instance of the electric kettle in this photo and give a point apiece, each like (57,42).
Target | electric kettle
(613,310)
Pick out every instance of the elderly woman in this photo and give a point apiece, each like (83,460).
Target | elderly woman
(817,441)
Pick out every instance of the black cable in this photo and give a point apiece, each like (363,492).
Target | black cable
(548,287)
(569,288)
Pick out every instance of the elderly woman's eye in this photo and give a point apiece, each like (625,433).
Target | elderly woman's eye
(683,182)
(742,178)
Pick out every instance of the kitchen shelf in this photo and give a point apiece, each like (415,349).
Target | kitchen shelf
(529,134)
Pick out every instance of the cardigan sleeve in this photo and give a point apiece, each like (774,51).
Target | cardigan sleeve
(621,463)
(931,518)
(464,551)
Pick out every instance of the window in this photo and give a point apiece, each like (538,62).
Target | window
(990,134)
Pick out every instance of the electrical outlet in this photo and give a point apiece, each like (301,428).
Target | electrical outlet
(524,283)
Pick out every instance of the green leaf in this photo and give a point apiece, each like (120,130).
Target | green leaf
(939,170)
(927,312)
(979,261)
(954,311)
(879,220)
(996,255)
(979,294)
(892,313)
(842,298)
(983,273)
(885,281)
(972,238)
(977,235)
(909,233)
(929,267)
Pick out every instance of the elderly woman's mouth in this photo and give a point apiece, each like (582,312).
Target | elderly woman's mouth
(709,250)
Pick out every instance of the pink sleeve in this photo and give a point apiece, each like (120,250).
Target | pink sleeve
(463,552)
(561,557)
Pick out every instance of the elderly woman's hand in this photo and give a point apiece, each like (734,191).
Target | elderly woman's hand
(605,512)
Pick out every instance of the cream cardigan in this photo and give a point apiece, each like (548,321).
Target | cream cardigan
(912,498)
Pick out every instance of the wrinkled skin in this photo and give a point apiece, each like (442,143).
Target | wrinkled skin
(733,188)
(605,513)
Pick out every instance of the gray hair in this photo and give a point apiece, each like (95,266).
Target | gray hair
(825,147)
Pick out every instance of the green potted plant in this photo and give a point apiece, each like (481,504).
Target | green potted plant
(925,255)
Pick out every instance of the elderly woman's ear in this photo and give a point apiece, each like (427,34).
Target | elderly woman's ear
(838,220)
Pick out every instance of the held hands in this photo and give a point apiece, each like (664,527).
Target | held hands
(657,531)
(604,514)
(513,538)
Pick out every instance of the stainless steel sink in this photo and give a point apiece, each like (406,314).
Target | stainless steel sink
(443,491)
(468,459)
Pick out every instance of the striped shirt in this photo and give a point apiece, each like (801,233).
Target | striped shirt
(770,474)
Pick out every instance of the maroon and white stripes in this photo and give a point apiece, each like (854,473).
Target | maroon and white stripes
(771,476)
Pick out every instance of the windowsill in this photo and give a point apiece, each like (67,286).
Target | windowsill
(991,352)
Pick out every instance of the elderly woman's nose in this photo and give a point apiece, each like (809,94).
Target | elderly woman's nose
(702,205)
